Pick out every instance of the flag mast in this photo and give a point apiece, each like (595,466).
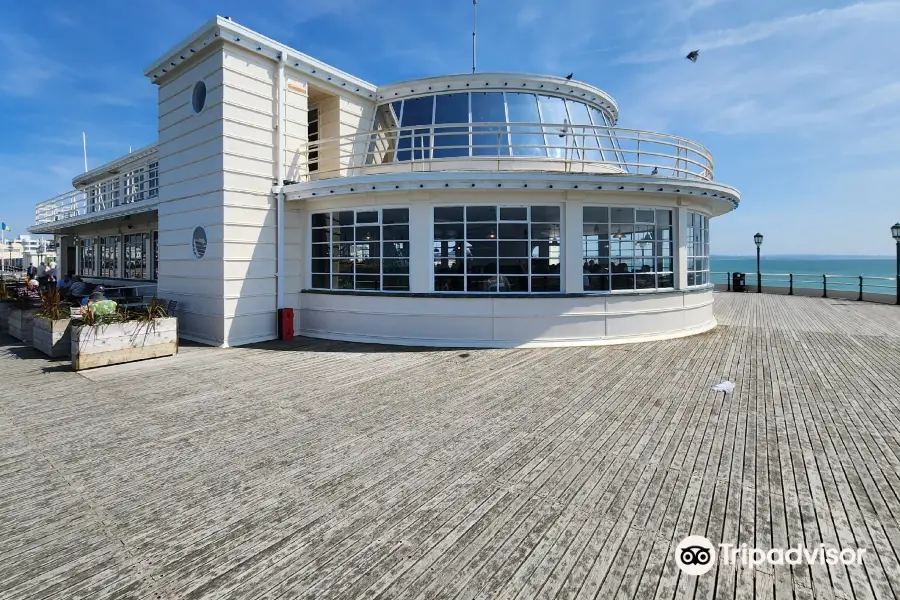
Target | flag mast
(474,30)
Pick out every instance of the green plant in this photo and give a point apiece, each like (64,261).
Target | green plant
(52,306)
(156,310)
(4,291)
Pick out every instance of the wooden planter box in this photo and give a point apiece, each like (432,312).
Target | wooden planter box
(52,337)
(21,323)
(118,343)
(5,307)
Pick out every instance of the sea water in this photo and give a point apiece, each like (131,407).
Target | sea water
(808,271)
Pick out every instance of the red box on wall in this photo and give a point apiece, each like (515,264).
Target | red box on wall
(286,323)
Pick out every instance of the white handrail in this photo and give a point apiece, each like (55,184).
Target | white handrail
(584,148)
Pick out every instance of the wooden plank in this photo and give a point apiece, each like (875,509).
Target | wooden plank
(335,470)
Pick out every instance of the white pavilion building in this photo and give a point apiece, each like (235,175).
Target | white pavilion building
(475,210)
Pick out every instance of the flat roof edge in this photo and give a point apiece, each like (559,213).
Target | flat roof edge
(229,31)
(103,170)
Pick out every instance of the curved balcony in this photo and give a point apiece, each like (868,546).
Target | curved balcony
(542,147)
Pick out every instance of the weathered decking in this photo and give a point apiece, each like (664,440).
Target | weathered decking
(327,470)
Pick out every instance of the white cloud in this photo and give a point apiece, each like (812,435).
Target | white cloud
(808,24)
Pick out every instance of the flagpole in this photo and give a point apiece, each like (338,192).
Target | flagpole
(474,30)
(84,143)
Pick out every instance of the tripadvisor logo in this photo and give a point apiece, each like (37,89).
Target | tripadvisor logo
(696,555)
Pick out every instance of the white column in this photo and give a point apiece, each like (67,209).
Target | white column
(681,250)
(573,279)
(421,252)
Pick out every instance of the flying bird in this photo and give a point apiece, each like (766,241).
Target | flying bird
(569,76)
(726,386)
(693,55)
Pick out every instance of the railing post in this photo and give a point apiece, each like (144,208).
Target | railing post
(728,281)
(860,288)
(638,162)
(791,288)
(824,286)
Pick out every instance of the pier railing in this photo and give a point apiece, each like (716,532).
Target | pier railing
(843,286)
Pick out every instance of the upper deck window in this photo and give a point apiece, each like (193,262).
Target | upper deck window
(513,124)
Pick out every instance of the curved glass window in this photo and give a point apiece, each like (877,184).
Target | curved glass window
(627,248)
(553,110)
(697,249)
(451,108)
(489,107)
(523,108)
(487,249)
(548,126)
(415,144)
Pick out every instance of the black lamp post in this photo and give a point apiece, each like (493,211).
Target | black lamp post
(895,231)
(758,239)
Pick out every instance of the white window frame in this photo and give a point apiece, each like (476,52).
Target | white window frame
(672,242)
(356,210)
(530,275)
(689,251)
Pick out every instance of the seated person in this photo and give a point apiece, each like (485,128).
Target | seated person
(64,284)
(78,287)
(99,305)
(31,295)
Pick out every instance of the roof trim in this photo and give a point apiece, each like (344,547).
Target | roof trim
(59,227)
(722,198)
(118,164)
(229,31)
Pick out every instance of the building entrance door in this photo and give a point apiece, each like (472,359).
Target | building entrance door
(70,260)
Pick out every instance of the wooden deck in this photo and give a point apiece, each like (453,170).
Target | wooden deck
(330,470)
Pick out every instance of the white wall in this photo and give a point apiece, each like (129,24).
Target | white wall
(191,194)
(249,207)
(505,322)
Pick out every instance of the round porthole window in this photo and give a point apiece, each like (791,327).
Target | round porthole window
(198,243)
(199,98)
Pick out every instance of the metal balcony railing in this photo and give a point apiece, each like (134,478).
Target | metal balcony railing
(135,186)
(791,283)
(503,146)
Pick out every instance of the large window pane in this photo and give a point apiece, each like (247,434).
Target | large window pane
(109,256)
(584,137)
(526,140)
(416,143)
(620,254)
(499,256)
(88,257)
(357,258)
(605,139)
(451,108)
(136,263)
(559,135)
(698,249)
(490,140)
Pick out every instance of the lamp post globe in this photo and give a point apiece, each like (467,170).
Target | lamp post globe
(758,240)
(895,233)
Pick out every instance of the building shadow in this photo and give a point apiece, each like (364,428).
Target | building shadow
(305,344)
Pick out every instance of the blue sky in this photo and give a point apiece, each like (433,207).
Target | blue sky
(798,101)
